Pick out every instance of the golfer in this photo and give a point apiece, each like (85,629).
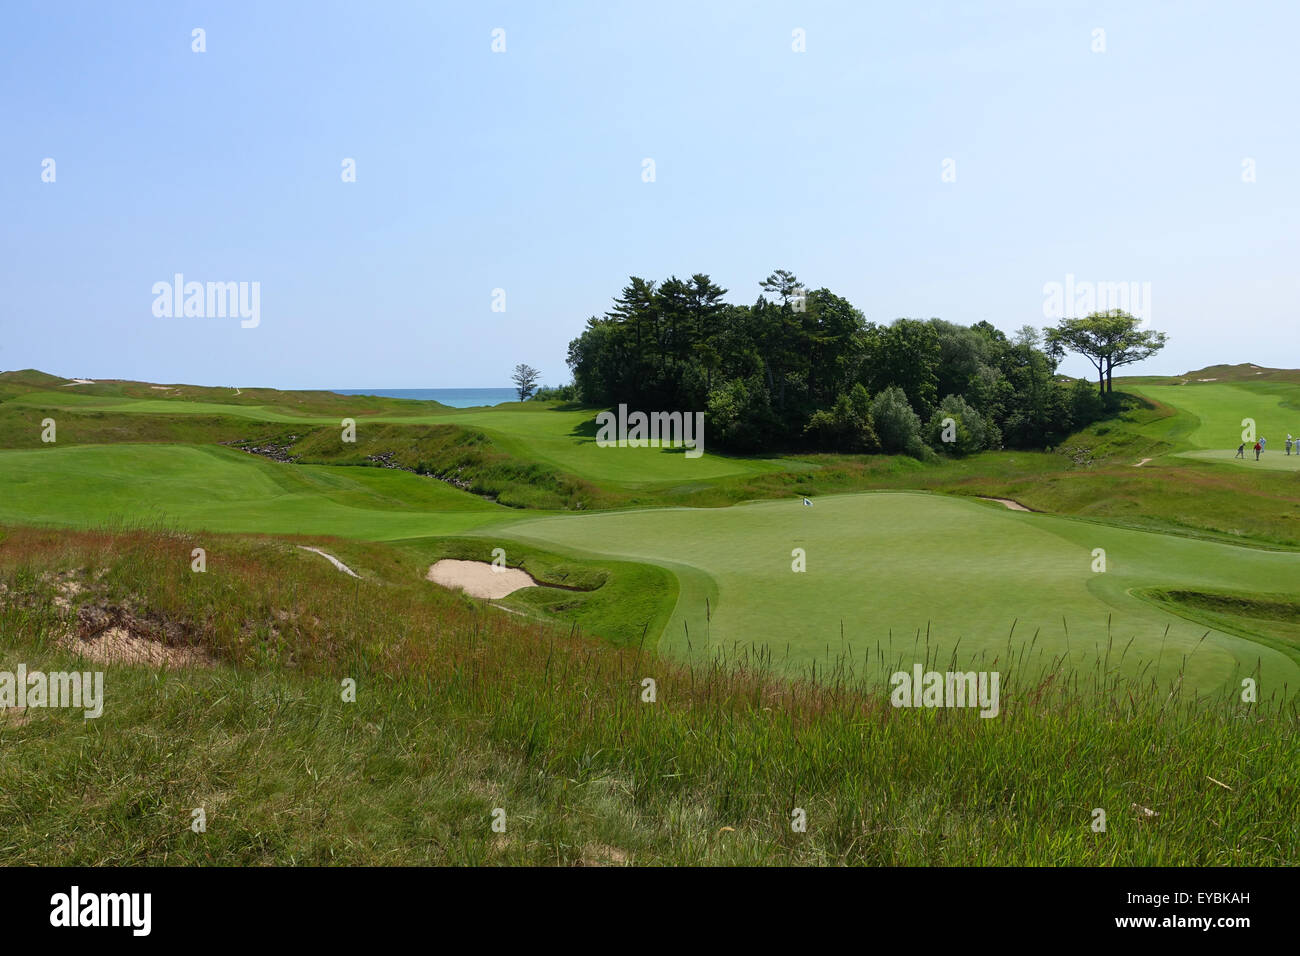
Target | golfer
(1241,451)
(1258,449)
(1288,444)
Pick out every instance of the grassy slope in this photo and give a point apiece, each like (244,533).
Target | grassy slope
(462,709)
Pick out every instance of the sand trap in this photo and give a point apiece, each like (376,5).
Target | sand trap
(332,560)
(478,578)
(1207,379)
(1013,505)
(162,388)
(1142,462)
(79,381)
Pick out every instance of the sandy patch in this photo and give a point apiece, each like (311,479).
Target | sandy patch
(162,388)
(1142,462)
(1013,505)
(117,645)
(332,560)
(79,381)
(1207,379)
(111,634)
(601,854)
(478,578)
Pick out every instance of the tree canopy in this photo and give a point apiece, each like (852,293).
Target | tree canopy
(804,369)
(1108,340)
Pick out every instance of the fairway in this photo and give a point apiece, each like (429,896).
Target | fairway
(887,567)
(218,489)
(564,439)
(1214,412)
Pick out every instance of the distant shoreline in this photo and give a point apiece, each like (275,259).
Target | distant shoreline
(451,397)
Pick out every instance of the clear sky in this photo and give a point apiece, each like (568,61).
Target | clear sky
(523,171)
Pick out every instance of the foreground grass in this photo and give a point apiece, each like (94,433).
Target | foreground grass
(462,709)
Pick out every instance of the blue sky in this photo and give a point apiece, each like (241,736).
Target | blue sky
(522,171)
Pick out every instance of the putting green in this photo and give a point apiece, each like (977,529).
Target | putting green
(1274,459)
(891,568)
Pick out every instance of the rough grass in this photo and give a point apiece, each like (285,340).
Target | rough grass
(462,709)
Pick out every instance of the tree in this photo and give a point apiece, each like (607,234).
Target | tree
(1095,337)
(897,426)
(525,378)
(1134,344)
(1106,339)
(847,426)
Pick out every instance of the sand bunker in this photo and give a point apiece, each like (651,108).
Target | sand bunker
(1013,505)
(478,578)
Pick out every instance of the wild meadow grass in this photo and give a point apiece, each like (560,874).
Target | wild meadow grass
(462,709)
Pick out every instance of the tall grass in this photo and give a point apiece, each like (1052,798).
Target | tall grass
(462,709)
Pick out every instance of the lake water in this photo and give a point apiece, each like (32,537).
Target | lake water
(454,397)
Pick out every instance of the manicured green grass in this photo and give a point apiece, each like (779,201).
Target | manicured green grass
(560,437)
(1273,459)
(219,489)
(892,577)
(1216,411)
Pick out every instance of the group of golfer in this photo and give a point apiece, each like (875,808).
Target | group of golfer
(1259,447)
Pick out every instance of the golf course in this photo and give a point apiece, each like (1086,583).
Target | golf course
(881,569)
(1128,585)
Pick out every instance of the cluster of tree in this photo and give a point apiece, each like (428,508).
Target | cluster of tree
(805,369)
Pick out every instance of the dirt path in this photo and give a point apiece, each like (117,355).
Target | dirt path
(332,560)
(478,578)
(1013,505)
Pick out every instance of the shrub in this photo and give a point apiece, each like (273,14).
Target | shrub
(967,434)
(897,426)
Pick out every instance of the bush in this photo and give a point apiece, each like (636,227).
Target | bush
(897,426)
(848,426)
(562,393)
(967,434)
